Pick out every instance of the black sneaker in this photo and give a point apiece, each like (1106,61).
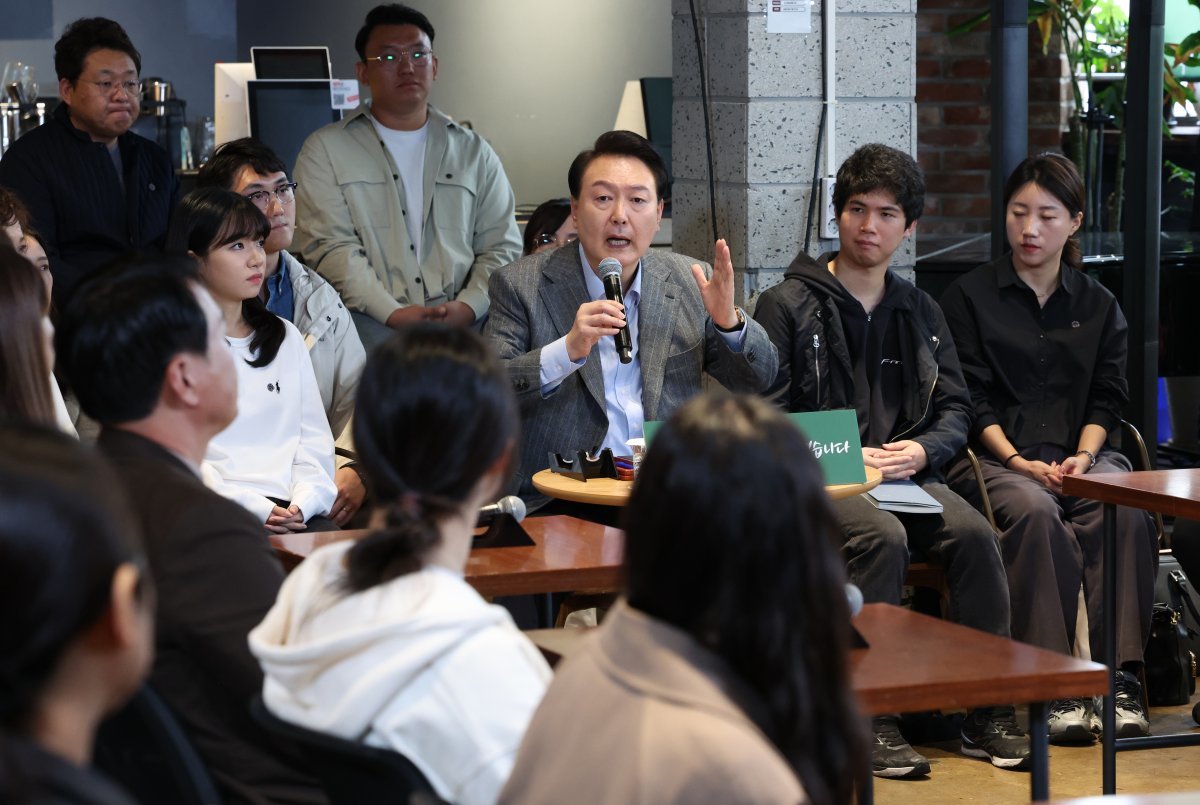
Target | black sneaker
(1131,716)
(1071,721)
(891,756)
(993,733)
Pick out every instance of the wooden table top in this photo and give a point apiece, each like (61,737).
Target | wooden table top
(915,663)
(1174,492)
(597,491)
(568,554)
(611,492)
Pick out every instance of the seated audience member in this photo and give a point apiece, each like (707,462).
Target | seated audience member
(550,226)
(381,640)
(852,334)
(145,349)
(14,219)
(706,684)
(34,249)
(94,189)
(406,212)
(1043,349)
(296,293)
(28,391)
(276,459)
(76,636)
(553,326)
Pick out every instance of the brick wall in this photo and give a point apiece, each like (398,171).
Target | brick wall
(954,118)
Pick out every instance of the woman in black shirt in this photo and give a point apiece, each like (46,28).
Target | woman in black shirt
(1043,349)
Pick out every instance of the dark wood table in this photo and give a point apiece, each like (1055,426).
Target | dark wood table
(914,663)
(568,554)
(1174,492)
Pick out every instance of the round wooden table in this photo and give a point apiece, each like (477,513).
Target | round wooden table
(611,492)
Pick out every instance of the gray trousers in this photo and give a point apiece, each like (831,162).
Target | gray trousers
(371,332)
(878,544)
(1053,543)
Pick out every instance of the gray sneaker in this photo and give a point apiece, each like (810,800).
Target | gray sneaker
(1132,721)
(1070,721)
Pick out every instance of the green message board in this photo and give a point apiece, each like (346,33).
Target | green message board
(833,437)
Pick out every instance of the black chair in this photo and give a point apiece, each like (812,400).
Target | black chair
(350,772)
(143,748)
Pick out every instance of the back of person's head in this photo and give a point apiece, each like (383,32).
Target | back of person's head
(435,413)
(390,14)
(122,327)
(83,36)
(730,537)
(25,364)
(881,167)
(1058,176)
(69,550)
(230,158)
(545,220)
(13,210)
(208,218)
(619,144)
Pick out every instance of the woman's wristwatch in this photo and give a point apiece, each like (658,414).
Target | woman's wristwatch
(1091,457)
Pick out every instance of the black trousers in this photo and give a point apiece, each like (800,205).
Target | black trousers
(1053,543)
(878,545)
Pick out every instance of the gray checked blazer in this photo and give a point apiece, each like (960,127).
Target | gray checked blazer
(533,303)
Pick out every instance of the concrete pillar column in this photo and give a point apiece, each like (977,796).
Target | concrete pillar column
(766,91)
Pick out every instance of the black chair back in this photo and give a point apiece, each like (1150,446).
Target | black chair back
(143,747)
(351,772)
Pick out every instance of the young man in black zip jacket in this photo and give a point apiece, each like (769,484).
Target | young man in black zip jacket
(851,334)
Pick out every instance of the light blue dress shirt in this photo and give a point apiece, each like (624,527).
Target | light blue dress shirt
(622,381)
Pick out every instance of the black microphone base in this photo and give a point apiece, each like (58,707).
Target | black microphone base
(503,532)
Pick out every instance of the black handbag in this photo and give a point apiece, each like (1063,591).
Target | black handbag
(1170,664)
(1174,642)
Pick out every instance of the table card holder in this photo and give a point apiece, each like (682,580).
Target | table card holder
(585,465)
(503,532)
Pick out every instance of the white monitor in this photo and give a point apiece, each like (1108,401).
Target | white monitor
(231,115)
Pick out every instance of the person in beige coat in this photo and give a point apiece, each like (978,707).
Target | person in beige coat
(722,677)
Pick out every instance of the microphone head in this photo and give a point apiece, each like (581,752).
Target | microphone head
(609,267)
(511,504)
(854,598)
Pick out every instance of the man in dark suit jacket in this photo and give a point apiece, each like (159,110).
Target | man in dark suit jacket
(144,350)
(553,326)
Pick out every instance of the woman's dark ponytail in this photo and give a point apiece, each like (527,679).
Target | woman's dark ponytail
(435,412)
(409,532)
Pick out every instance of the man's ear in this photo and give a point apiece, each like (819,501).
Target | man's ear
(120,625)
(181,379)
(908,233)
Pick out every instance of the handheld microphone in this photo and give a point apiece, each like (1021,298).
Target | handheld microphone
(510,504)
(610,275)
(854,598)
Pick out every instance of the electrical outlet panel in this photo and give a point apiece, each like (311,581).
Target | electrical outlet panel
(829,226)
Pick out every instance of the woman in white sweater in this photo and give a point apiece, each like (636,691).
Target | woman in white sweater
(276,459)
(381,640)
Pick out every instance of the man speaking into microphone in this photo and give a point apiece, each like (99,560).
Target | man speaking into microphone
(561,329)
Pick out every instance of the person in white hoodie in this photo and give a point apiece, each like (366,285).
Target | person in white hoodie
(381,639)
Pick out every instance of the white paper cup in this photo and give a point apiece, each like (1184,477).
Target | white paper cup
(638,449)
